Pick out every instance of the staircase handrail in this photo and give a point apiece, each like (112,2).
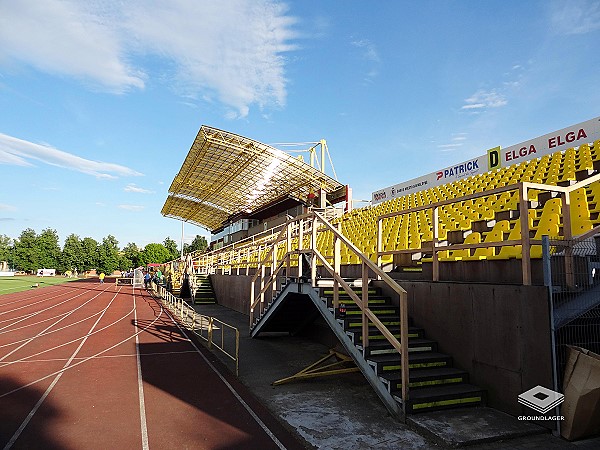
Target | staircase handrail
(317,220)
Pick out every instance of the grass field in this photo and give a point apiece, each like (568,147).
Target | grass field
(8,285)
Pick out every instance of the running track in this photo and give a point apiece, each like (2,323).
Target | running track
(86,366)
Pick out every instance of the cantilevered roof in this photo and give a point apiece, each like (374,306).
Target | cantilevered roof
(226,174)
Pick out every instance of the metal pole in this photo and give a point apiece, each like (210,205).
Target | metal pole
(548,283)
(182,239)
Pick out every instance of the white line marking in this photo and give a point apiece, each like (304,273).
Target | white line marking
(45,395)
(44,331)
(229,386)
(143,425)
(124,355)
(83,360)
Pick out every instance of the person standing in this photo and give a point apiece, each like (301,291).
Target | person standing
(101,276)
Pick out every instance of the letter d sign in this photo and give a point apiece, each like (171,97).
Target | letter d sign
(494,158)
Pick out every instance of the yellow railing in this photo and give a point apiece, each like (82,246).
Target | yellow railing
(525,241)
(210,329)
(292,235)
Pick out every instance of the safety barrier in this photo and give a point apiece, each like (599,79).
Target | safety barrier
(215,332)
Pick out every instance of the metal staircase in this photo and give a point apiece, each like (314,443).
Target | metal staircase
(433,381)
(403,367)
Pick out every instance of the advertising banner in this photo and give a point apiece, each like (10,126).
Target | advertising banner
(496,158)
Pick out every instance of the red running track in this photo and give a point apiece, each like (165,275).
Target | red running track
(86,366)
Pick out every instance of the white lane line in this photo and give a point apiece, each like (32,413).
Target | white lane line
(27,316)
(15,436)
(143,424)
(41,333)
(99,330)
(123,355)
(229,386)
(83,360)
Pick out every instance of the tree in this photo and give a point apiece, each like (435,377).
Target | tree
(198,244)
(72,256)
(90,253)
(108,255)
(27,256)
(171,246)
(6,249)
(131,253)
(48,249)
(155,253)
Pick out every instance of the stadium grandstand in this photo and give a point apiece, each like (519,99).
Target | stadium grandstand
(462,287)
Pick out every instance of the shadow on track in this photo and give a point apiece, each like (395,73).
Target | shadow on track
(15,407)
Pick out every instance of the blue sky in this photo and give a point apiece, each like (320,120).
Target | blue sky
(101,100)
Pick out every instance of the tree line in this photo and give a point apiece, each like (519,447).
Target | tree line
(32,251)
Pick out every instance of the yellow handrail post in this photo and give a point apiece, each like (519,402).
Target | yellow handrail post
(568,235)
(300,248)
(336,267)
(525,239)
(379,241)
(365,307)
(404,345)
(436,263)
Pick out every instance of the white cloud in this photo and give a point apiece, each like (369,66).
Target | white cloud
(14,151)
(369,54)
(133,188)
(575,16)
(449,145)
(482,99)
(63,38)
(4,207)
(232,51)
(369,50)
(134,208)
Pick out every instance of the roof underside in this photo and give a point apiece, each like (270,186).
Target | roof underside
(226,174)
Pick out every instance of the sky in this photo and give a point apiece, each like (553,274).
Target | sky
(100,100)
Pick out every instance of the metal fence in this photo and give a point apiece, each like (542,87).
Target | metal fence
(572,272)
(216,333)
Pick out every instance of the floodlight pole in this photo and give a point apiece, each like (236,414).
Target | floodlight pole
(182,239)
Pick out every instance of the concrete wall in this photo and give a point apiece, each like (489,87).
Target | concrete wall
(232,291)
(500,334)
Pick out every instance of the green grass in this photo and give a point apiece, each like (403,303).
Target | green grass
(10,285)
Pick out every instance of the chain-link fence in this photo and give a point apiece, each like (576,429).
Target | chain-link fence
(572,270)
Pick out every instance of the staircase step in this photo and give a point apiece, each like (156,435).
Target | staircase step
(349,303)
(416,360)
(415,344)
(356,322)
(421,378)
(329,292)
(443,397)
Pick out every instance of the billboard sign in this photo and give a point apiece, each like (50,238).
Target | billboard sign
(497,158)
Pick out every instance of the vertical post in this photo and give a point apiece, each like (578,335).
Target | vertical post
(525,240)
(379,242)
(568,235)
(252,290)
(273,267)
(365,306)
(435,221)
(262,287)
(300,248)
(404,346)
(337,245)
(323,145)
(313,257)
(182,239)
(288,249)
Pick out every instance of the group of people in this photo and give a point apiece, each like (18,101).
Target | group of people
(158,278)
